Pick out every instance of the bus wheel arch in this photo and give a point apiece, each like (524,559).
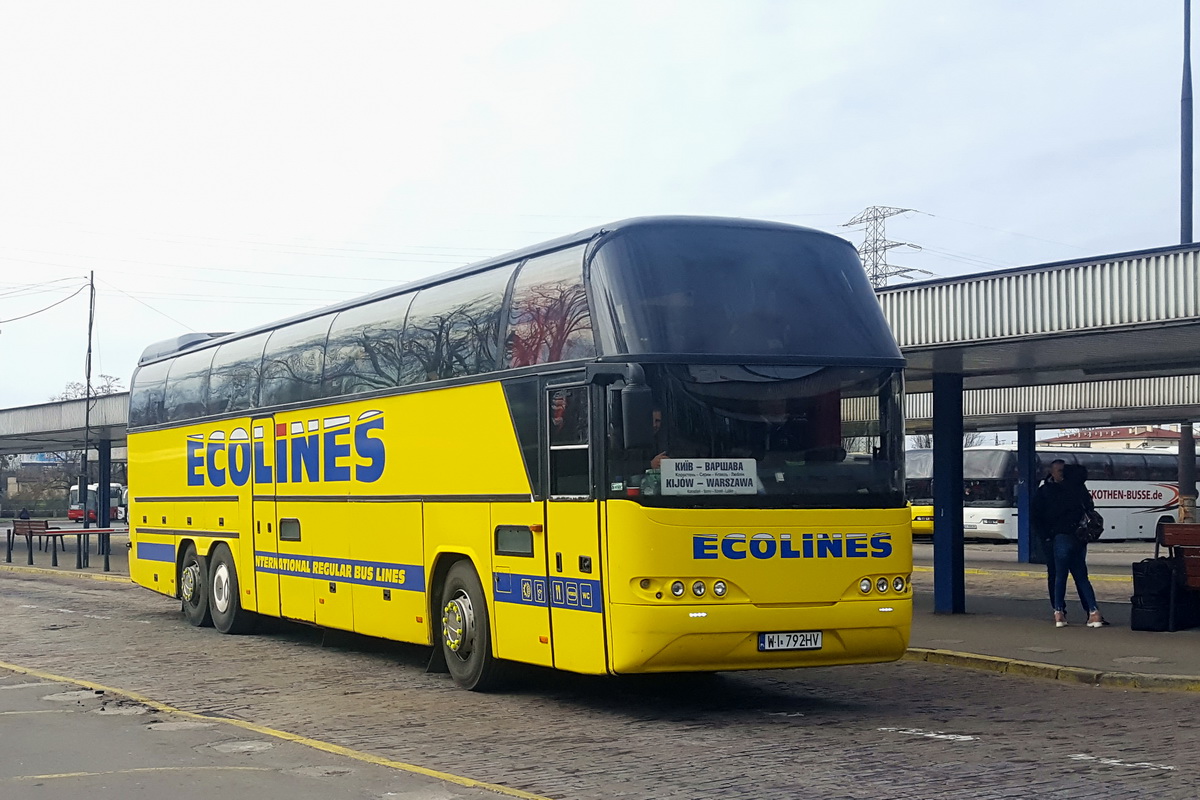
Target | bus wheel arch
(192,580)
(462,627)
(225,601)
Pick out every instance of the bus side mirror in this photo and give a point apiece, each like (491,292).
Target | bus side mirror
(637,415)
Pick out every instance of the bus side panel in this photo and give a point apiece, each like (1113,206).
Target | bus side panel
(461,528)
(519,587)
(576,592)
(154,471)
(388,590)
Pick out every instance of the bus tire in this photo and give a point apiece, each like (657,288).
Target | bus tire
(193,588)
(465,636)
(225,600)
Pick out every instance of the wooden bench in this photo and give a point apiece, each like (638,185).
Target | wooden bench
(30,528)
(1183,541)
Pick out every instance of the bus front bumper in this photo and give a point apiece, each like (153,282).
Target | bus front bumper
(695,638)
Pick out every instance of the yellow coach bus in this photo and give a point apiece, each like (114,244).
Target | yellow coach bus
(668,444)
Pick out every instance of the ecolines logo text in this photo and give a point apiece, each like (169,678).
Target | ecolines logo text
(330,449)
(737,546)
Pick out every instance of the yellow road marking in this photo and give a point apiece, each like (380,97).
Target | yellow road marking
(69,573)
(316,744)
(136,770)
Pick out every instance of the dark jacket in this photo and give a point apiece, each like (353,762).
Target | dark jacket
(1058,507)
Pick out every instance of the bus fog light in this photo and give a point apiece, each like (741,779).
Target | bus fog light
(719,588)
(677,588)
(698,588)
(881,584)
(645,583)
(898,584)
(864,586)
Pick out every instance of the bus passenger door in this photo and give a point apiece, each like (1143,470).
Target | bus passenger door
(573,533)
(265,535)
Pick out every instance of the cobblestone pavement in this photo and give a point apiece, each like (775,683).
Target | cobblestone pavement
(905,730)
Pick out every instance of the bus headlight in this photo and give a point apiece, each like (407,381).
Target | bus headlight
(864,586)
(898,584)
(677,588)
(698,588)
(881,584)
(719,588)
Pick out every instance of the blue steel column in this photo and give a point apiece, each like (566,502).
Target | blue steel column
(949,594)
(103,495)
(1026,486)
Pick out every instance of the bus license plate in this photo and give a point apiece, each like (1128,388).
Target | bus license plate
(970,526)
(793,640)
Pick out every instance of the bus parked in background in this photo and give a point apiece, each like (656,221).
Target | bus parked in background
(670,444)
(1134,489)
(75,507)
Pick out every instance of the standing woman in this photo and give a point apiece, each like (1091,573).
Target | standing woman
(1070,553)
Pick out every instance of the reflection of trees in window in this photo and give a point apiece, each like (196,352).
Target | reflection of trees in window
(549,320)
(293,361)
(187,386)
(236,370)
(365,347)
(146,395)
(453,328)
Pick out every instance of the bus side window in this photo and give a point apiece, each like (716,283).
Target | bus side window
(549,319)
(187,386)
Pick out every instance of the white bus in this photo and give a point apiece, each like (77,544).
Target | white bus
(1134,489)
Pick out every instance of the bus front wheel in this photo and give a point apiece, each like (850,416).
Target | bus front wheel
(228,616)
(193,588)
(466,639)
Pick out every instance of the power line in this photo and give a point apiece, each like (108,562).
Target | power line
(147,305)
(47,308)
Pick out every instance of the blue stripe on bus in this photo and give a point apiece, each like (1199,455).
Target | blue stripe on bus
(573,594)
(151,551)
(409,577)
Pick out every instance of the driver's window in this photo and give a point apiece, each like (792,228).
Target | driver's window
(570,463)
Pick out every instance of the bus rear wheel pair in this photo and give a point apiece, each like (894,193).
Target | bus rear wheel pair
(208,589)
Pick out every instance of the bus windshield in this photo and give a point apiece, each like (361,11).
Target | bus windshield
(753,436)
(779,294)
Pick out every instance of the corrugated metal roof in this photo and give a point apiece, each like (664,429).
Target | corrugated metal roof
(1153,287)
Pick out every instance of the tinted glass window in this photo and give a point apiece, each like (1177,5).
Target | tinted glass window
(1129,466)
(236,370)
(365,347)
(187,386)
(1160,467)
(737,291)
(919,464)
(549,318)
(146,395)
(293,362)
(453,328)
(570,471)
(1098,465)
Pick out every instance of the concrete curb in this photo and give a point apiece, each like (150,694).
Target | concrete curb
(1015,573)
(112,577)
(1055,672)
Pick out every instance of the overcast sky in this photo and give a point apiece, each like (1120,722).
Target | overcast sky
(221,165)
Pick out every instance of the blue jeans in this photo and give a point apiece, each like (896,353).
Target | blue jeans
(1070,555)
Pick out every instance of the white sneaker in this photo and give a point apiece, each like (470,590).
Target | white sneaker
(1060,619)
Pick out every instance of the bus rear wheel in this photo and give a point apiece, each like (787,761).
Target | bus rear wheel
(193,588)
(228,616)
(466,639)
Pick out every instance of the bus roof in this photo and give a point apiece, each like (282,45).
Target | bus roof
(163,350)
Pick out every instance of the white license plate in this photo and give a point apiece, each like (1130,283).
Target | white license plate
(791,640)
(970,526)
